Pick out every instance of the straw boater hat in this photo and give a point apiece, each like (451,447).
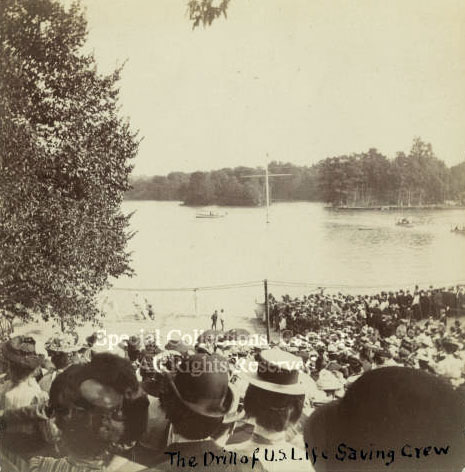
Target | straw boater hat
(21,350)
(279,371)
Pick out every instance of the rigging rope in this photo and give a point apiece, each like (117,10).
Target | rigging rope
(276,283)
(191,289)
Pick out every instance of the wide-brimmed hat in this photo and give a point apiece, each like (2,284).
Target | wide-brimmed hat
(202,348)
(279,371)
(328,382)
(450,344)
(202,385)
(179,346)
(65,343)
(21,350)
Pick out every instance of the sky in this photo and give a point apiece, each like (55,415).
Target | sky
(287,80)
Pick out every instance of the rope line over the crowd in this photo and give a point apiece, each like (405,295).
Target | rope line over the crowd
(289,284)
(192,289)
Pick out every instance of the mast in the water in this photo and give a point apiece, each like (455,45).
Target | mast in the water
(267,176)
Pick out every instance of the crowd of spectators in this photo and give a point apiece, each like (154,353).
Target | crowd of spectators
(354,383)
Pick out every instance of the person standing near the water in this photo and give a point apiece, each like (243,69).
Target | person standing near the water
(214,319)
(150,310)
(222,319)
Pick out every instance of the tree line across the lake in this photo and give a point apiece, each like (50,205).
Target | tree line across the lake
(365,179)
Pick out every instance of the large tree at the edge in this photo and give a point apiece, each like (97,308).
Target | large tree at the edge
(65,158)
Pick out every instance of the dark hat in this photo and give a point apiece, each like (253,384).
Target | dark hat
(407,344)
(92,339)
(450,344)
(278,371)
(21,350)
(179,346)
(202,385)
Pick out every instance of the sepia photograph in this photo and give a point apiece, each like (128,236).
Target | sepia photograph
(232,235)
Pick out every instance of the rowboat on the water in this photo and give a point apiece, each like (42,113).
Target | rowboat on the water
(405,222)
(210,214)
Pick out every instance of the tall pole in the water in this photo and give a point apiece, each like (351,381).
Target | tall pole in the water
(267,312)
(267,176)
(267,194)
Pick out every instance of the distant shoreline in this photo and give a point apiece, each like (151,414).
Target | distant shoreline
(395,207)
(328,207)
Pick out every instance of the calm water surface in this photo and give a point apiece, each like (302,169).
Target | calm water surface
(303,243)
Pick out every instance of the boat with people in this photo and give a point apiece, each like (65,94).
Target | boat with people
(405,222)
(210,214)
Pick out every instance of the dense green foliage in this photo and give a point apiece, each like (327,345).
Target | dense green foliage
(205,12)
(64,157)
(231,187)
(370,178)
(365,179)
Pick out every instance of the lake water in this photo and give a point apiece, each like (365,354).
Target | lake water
(303,243)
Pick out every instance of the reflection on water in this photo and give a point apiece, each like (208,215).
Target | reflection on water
(303,243)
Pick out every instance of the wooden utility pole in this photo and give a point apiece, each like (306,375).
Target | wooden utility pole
(267,312)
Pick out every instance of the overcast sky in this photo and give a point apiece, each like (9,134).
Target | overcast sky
(300,80)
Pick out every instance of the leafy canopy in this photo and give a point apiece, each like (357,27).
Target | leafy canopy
(65,160)
(204,12)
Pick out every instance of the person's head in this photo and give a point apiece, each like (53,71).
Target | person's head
(385,415)
(134,348)
(95,405)
(20,357)
(275,396)
(199,397)
(63,349)
(61,360)
(272,411)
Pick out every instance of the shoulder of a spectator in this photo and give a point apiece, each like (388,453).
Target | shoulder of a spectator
(27,413)
(121,464)
(36,463)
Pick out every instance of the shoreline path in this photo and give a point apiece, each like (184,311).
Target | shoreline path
(165,325)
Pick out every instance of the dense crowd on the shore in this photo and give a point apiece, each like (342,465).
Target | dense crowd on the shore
(349,334)
(388,364)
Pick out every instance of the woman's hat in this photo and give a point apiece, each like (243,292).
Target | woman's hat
(66,343)
(202,348)
(202,385)
(21,350)
(328,382)
(179,346)
(279,371)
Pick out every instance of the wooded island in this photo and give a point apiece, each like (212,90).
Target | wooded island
(367,179)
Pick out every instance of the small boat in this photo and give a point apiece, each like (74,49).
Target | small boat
(405,222)
(458,230)
(210,214)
